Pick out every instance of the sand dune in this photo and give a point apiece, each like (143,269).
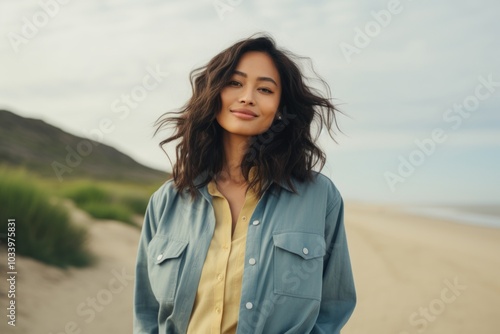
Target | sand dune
(413,275)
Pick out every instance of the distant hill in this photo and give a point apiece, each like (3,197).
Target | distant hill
(51,152)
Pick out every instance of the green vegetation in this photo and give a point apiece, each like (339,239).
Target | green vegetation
(136,203)
(43,230)
(109,211)
(85,193)
(108,201)
(106,183)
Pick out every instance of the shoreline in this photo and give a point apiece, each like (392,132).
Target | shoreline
(457,215)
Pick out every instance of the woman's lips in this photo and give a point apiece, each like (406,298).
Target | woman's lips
(243,113)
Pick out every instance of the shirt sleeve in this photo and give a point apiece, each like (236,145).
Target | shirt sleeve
(339,295)
(145,304)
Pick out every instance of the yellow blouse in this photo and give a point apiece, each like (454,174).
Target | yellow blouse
(217,302)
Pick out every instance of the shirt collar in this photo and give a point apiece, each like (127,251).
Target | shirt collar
(204,189)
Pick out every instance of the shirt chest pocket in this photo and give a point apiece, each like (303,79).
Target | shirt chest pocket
(165,257)
(298,264)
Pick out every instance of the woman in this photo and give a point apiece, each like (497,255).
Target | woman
(246,237)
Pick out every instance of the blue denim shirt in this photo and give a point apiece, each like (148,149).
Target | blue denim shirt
(301,281)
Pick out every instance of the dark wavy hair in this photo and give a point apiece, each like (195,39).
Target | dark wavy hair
(286,150)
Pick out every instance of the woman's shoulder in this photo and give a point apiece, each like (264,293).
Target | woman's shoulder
(318,187)
(164,193)
(169,193)
(166,187)
(323,180)
(318,183)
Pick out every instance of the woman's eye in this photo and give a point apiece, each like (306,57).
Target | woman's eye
(234,83)
(266,90)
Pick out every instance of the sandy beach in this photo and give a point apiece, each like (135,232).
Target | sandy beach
(413,275)
(419,275)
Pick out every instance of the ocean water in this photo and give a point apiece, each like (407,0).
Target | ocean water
(457,215)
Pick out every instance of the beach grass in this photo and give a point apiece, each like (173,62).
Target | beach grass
(105,200)
(43,230)
(113,211)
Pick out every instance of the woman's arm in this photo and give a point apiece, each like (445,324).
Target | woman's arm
(339,295)
(145,303)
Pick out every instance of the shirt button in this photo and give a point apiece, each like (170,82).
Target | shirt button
(220,277)
(249,306)
(159,257)
(225,246)
(255,222)
(305,250)
(252,261)
(217,309)
(244,218)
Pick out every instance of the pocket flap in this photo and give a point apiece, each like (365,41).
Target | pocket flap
(162,249)
(306,245)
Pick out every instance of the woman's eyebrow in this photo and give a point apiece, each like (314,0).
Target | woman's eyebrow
(259,78)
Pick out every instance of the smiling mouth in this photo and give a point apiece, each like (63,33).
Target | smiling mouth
(243,113)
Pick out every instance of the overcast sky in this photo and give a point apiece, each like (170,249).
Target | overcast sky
(419,80)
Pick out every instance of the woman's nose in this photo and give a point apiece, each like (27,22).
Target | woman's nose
(247,96)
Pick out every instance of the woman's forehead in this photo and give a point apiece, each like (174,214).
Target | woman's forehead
(257,65)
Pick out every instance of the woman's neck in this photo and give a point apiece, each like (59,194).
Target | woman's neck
(235,147)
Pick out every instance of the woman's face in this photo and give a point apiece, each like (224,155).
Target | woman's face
(251,97)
